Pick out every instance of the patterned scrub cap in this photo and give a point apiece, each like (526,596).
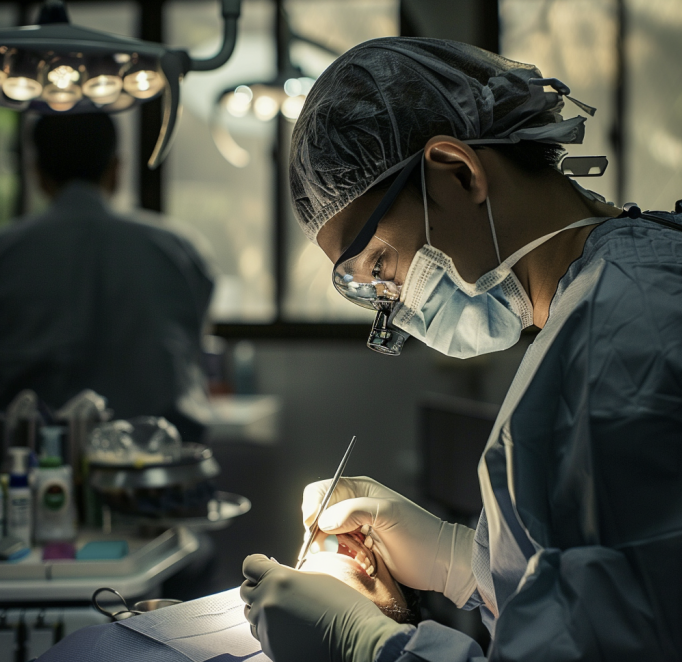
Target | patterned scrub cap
(380,102)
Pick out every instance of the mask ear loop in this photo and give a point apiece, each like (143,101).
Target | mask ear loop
(426,213)
(426,204)
(492,229)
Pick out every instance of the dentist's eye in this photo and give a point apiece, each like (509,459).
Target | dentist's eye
(378,266)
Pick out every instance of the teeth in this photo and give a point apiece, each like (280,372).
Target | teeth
(370,571)
(369,542)
(365,529)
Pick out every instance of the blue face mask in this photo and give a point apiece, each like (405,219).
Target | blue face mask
(460,319)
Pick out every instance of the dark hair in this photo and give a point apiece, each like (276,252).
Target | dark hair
(528,155)
(408,615)
(73,147)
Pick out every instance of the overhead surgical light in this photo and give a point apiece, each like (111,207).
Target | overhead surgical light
(21,72)
(103,83)
(143,79)
(265,100)
(58,67)
(280,99)
(61,87)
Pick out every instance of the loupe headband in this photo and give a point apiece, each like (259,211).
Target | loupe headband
(368,231)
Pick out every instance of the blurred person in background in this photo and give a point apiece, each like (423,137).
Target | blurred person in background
(92,299)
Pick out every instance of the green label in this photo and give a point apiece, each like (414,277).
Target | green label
(54,497)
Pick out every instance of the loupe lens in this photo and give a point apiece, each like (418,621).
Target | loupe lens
(367,279)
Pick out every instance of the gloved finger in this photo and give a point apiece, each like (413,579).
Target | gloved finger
(247,592)
(255,566)
(250,615)
(350,515)
(347,488)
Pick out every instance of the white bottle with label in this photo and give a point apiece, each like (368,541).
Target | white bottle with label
(19,497)
(55,515)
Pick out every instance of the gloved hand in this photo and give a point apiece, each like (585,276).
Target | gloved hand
(419,549)
(310,616)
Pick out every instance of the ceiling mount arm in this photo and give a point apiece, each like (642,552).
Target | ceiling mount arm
(230,12)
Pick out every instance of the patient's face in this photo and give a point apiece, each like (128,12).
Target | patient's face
(347,565)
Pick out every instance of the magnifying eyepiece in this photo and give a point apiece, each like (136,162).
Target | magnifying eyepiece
(385,338)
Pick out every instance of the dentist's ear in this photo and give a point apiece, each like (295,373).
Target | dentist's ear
(450,155)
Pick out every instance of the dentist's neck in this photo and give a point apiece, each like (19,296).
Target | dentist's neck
(527,206)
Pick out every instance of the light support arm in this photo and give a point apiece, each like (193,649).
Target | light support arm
(231,10)
(175,64)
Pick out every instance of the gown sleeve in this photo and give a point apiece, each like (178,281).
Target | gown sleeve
(597,476)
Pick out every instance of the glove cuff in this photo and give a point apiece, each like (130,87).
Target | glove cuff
(453,574)
(371,635)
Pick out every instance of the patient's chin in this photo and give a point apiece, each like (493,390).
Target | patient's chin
(380,588)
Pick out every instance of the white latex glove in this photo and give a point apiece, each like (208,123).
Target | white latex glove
(419,549)
(310,617)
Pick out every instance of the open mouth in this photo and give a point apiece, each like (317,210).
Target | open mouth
(353,545)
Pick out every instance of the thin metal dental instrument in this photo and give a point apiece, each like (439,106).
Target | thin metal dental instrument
(314,528)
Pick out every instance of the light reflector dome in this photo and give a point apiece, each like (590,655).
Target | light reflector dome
(103,89)
(144,84)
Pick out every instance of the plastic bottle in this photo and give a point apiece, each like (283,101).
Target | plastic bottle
(19,498)
(55,518)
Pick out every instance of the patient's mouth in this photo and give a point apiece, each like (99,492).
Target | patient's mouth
(352,544)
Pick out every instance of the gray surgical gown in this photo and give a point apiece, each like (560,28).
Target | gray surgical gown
(89,299)
(578,553)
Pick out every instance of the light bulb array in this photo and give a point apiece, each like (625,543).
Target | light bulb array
(62,81)
(265,101)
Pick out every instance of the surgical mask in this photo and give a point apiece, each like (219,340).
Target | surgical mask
(484,317)
(461,319)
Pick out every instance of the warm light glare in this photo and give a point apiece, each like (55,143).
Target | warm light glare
(239,101)
(62,99)
(61,107)
(63,76)
(265,107)
(21,88)
(293,87)
(292,106)
(143,84)
(123,102)
(103,89)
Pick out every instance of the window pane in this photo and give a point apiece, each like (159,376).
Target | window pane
(232,207)
(654,103)
(339,25)
(574,41)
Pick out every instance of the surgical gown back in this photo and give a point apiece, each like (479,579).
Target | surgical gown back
(89,299)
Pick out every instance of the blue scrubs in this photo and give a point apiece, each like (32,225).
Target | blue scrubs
(578,552)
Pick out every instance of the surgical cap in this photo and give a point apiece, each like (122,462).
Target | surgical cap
(380,103)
